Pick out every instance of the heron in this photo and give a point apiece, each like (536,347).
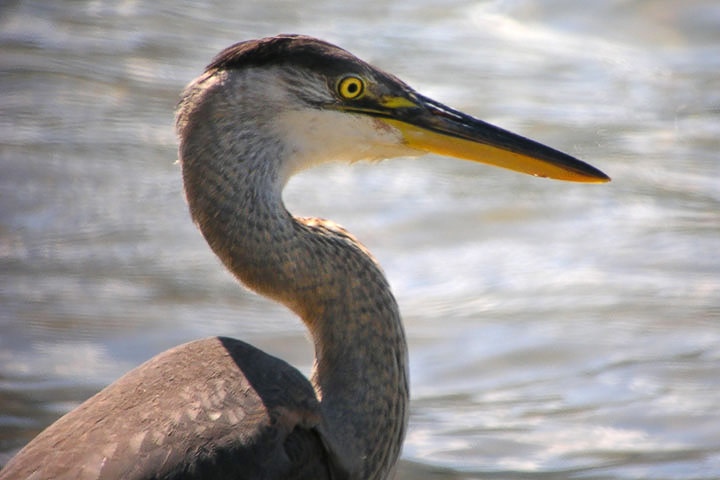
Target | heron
(262,111)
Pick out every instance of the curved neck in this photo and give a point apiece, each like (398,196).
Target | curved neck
(315,268)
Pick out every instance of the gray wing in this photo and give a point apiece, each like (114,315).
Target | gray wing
(214,408)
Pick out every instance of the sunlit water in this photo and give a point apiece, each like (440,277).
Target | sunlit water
(556,330)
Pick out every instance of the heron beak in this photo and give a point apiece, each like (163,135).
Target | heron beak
(431,126)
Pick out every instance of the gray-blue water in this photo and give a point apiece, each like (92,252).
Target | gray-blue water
(556,330)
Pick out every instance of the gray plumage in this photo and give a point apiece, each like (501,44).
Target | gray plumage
(219,408)
(212,408)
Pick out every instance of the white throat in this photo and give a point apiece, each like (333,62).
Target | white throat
(313,137)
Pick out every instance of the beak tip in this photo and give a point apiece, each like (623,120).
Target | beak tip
(599,177)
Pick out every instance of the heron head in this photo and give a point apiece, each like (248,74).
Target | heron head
(320,103)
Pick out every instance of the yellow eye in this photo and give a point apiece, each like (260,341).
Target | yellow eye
(351,87)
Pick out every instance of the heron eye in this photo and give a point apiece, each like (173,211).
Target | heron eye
(351,87)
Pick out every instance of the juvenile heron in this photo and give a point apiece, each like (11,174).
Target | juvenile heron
(220,408)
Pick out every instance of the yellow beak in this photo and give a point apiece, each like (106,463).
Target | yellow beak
(430,126)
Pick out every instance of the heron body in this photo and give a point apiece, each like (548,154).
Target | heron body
(220,408)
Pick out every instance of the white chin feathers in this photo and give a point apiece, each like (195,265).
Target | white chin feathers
(312,137)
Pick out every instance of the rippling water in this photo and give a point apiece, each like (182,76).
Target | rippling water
(556,330)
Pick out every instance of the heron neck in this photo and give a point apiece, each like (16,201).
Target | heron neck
(323,274)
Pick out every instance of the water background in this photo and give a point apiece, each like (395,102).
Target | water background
(556,330)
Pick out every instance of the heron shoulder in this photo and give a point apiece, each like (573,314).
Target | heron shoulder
(205,406)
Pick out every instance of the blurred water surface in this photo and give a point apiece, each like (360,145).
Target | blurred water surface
(556,330)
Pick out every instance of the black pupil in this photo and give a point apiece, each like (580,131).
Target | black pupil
(352,87)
